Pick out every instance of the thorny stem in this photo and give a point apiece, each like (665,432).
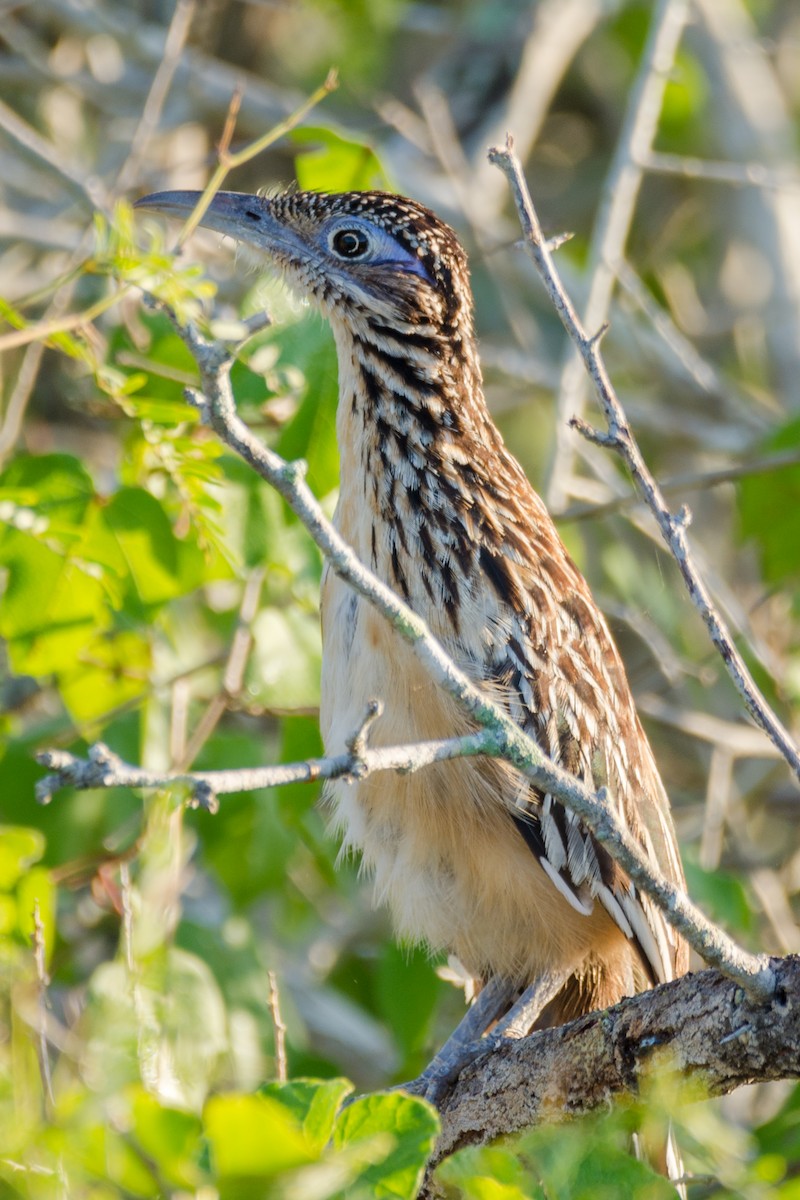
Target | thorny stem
(620,437)
(500,735)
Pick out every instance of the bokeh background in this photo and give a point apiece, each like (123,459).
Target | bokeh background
(664,138)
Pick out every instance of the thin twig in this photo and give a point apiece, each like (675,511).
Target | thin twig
(126,895)
(610,233)
(744,174)
(89,190)
(619,437)
(229,160)
(42,982)
(174,42)
(279,1027)
(104,769)
(233,675)
(696,480)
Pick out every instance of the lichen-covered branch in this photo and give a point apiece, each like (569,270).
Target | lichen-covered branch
(102,768)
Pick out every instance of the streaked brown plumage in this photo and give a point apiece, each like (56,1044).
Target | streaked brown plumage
(435,504)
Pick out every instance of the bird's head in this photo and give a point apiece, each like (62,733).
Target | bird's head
(357,255)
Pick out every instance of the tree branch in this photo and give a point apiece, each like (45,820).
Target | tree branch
(102,768)
(702,1028)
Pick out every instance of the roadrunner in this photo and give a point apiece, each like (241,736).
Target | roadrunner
(469,857)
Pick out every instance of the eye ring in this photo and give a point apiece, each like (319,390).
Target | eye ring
(350,242)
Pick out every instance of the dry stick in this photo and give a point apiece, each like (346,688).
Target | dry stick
(233,675)
(177,33)
(104,769)
(693,481)
(620,438)
(745,174)
(610,233)
(557,30)
(42,981)
(500,736)
(279,1027)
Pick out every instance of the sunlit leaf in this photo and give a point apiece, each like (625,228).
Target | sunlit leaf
(404,1130)
(254,1136)
(313,1103)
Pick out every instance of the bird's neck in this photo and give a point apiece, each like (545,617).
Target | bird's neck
(418,453)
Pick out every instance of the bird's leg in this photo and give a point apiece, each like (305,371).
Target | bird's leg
(467,1040)
(522,1016)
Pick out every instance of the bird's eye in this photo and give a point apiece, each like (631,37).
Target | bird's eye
(350,243)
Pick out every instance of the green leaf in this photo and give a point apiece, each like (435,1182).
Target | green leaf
(311,434)
(51,608)
(398,1162)
(583,1162)
(254,1136)
(57,485)
(141,540)
(105,1154)
(20,848)
(768,506)
(723,896)
(114,668)
(337,163)
(285,663)
(313,1103)
(168,1137)
(408,989)
(489,1173)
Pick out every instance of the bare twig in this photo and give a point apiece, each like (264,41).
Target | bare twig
(174,43)
(279,1027)
(610,234)
(751,114)
(104,769)
(229,160)
(619,437)
(42,982)
(744,174)
(689,482)
(233,675)
(89,191)
(558,28)
(500,735)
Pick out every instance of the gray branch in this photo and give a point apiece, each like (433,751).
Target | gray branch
(619,437)
(702,1029)
(102,768)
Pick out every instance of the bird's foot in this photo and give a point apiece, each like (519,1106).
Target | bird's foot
(439,1077)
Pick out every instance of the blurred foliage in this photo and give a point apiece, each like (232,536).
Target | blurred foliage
(130,543)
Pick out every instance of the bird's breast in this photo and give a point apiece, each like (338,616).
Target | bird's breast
(439,843)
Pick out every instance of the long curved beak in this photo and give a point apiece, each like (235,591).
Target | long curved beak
(236,214)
